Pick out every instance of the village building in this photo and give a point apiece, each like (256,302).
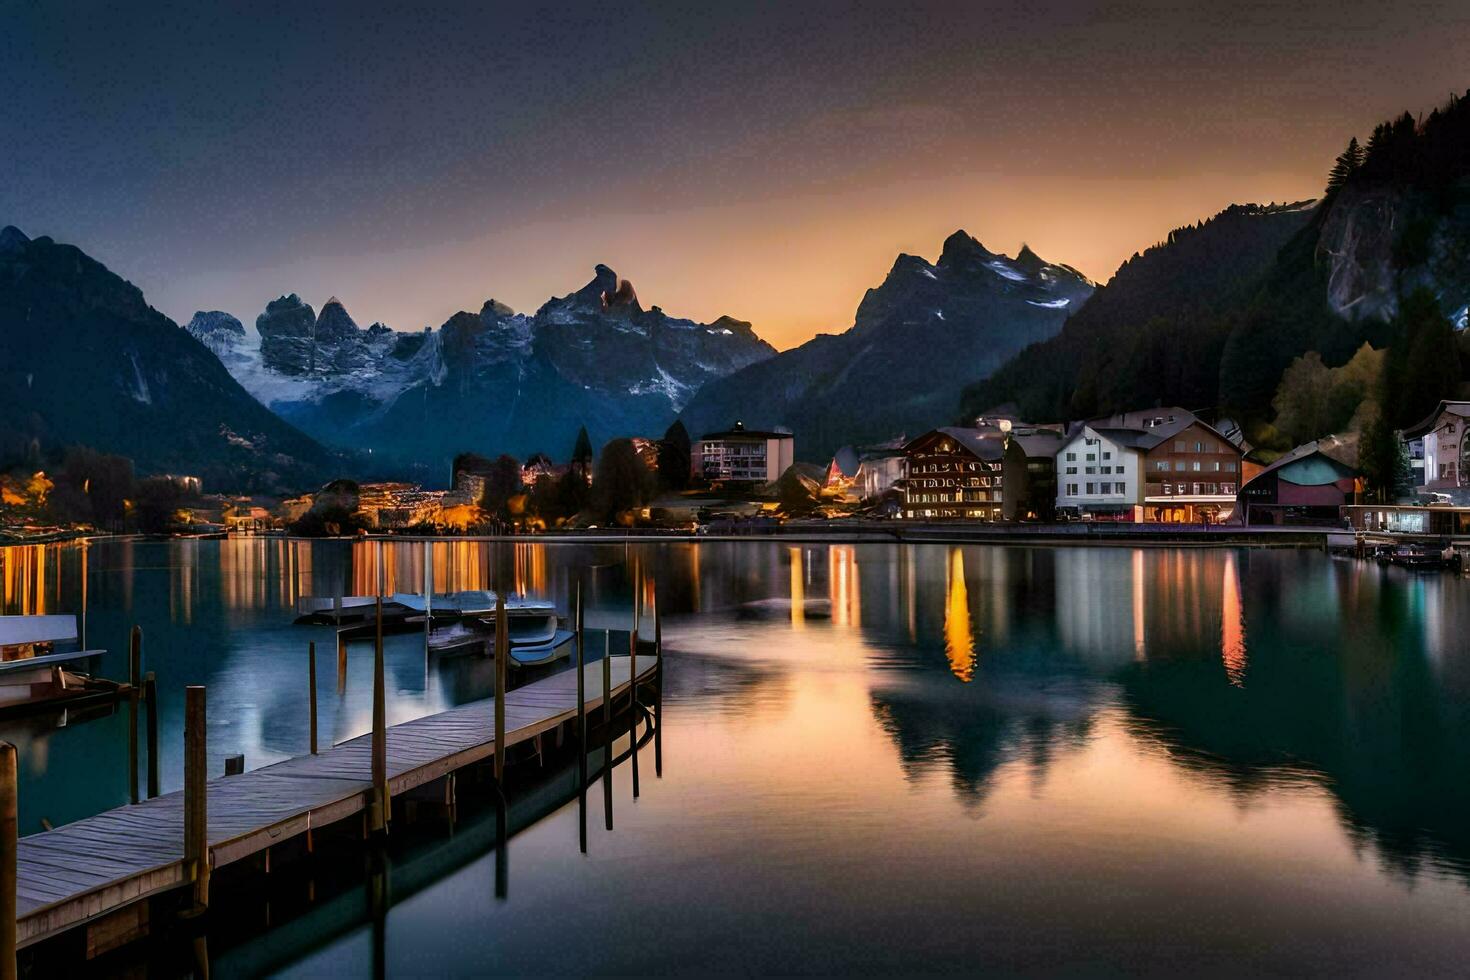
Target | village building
(952,473)
(880,469)
(842,471)
(1159,465)
(741,455)
(1309,485)
(399,505)
(1029,473)
(1099,473)
(1442,441)
(539,467)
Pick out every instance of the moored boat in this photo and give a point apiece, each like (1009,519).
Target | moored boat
(38,671)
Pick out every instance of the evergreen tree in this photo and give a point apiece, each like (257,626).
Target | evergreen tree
(674,457)
(623,480)
(1347,164)
(582,456)
(1423,364)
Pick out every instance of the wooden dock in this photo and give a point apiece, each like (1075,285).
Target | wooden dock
(83,871)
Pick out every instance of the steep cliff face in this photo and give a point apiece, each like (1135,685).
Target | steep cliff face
(493,381)
(88,362)
(1382,241)
(916,340)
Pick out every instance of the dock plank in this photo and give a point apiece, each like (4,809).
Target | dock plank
(92,867)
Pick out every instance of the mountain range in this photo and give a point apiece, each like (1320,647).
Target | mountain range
(493,381)
(916,341)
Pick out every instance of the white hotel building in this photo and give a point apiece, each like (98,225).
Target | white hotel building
(1100,473)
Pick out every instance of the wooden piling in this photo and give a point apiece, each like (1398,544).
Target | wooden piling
(633,701)
(607,757)
(311,690)
(135,684)
(150,697)
(9,835)
(196,800)
(502,654)
(341,662)
(658,691)
(581,726)
(378,818)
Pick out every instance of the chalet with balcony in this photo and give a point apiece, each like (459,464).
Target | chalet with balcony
(954,473)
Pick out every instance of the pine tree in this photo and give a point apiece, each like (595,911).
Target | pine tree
(1347,164)
(582,456)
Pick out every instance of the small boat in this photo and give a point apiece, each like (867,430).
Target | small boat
(38,672)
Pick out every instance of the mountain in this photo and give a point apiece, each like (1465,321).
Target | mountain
(1155,333)
(490,382)
(916,340)
(88,362)
(1212,317)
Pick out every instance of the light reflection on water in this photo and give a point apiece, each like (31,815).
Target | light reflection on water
(887,757)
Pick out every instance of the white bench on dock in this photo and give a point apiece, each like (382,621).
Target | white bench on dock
(88,869)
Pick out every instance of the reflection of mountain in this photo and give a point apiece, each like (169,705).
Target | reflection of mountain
(969,731)
(1347,696)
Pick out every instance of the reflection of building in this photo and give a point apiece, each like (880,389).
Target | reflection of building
(954,473)
(1445,438)
(1308,485)
(743,455)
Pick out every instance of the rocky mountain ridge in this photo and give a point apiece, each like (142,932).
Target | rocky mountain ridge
(494,381)
(916,340)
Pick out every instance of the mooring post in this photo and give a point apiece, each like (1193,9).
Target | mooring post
(658,691)
(150,696)
(196,799)
(607,752)
(341,662)
(9,836)
(378,816)
(135,685)
(502,654)
(235,764)
(311,690)
(633,702)
(581,727)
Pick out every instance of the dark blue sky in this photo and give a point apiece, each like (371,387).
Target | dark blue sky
(765,161)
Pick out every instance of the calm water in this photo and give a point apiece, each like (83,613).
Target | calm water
(878,758)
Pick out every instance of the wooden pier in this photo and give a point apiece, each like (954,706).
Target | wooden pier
(91,869)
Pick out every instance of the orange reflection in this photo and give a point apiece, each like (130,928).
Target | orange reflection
(959,639)
(23,582)
(1139,635)
(798,592)
(1232,625)
(843,586)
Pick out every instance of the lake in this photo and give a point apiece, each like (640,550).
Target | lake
(878,758)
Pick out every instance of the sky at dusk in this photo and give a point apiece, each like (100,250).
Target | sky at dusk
(762,161)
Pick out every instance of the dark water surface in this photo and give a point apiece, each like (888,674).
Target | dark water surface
(878,758)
